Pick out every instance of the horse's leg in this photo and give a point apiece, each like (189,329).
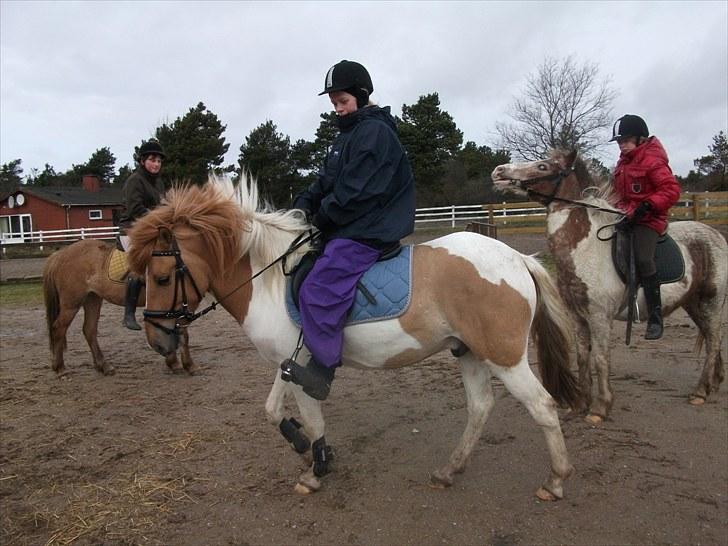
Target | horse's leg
(314,426)
(599,358)
(187,363)
(171,359)
(91,312)
(521,383)
(583,350)
(58,334)
(707,317)
(479,394)
(289,428)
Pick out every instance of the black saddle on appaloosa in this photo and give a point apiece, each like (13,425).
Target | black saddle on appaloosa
(668,258)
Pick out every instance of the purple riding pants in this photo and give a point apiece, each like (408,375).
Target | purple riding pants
(328,293)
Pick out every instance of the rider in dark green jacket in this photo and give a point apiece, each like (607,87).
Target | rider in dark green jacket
(142,192)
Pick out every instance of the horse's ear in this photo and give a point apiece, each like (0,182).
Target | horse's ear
(165,236)
(571,158)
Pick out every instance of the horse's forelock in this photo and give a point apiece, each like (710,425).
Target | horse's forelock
(209,210)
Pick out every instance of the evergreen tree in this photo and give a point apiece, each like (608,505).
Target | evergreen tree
(124,173)
(715,165)
(193,145)
(101,164)
(11,176)
(431,139)
(47,177)
(267,156)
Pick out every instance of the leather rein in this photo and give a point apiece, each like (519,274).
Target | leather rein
(557,178)
(183,315)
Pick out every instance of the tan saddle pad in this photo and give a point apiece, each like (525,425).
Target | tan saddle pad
(118,266)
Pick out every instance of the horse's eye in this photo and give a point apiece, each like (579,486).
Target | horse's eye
(542,167)
(163,281)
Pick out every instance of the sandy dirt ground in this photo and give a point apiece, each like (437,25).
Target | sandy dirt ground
(150,457)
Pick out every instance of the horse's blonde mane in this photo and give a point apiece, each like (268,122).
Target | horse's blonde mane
(231,220)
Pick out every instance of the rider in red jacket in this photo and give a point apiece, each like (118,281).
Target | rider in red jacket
(646,189)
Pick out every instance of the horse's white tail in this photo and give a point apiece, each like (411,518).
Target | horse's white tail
(553,334)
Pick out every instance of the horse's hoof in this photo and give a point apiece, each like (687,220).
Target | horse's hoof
(302,489)
(193,370)
(109,371)
(594,419)
(307,483)
(439,481)
(696,401)
(546,495)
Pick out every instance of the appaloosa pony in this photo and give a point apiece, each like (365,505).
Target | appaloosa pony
(77,276)
(470,293)
(589,283)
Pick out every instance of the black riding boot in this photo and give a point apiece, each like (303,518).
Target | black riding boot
(133,287)
(651,286)
(314,378)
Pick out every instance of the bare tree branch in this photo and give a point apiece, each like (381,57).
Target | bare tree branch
(564,105)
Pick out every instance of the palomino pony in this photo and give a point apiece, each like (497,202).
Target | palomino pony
(470,293)
(589,283)
(76,276)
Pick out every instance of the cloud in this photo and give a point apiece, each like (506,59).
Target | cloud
(77,76)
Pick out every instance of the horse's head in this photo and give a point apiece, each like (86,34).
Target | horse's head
(181,248)
(557,176)
(177,278)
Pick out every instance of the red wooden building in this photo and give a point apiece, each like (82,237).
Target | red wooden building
(32,209)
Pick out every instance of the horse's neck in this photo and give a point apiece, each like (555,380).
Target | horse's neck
(232,290)
(572,236)
(248,294)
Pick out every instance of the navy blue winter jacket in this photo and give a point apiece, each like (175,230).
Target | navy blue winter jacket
(365,191)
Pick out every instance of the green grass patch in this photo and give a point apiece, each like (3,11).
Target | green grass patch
(21,294)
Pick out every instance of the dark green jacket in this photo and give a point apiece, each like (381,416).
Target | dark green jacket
(141,192)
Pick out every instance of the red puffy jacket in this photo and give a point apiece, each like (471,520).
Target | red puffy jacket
(644,174)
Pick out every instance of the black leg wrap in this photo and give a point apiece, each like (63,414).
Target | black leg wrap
(322,456)
(290,430)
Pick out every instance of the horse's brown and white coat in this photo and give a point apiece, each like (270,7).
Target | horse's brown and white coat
(468,290)
(589,284)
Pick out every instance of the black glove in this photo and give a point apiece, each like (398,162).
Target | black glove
(625,224)
(643,208)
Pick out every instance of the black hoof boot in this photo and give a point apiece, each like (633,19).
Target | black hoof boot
(313,378)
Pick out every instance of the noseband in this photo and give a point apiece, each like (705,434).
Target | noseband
(183,316)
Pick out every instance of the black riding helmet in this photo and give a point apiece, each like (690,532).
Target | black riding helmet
(150,147)
(629,125)
(351,77)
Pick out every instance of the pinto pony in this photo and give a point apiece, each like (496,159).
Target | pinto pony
(470,293)
(74,277)
(589,283)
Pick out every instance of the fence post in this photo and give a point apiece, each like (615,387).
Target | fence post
(491,220)
(452,213)
(83,234)
(696,207)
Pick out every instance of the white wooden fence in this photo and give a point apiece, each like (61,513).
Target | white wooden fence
(59,235)
(708,207)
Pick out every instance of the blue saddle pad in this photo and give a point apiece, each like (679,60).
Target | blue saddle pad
(389,281)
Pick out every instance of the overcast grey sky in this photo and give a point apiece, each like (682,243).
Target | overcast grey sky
(78,76)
